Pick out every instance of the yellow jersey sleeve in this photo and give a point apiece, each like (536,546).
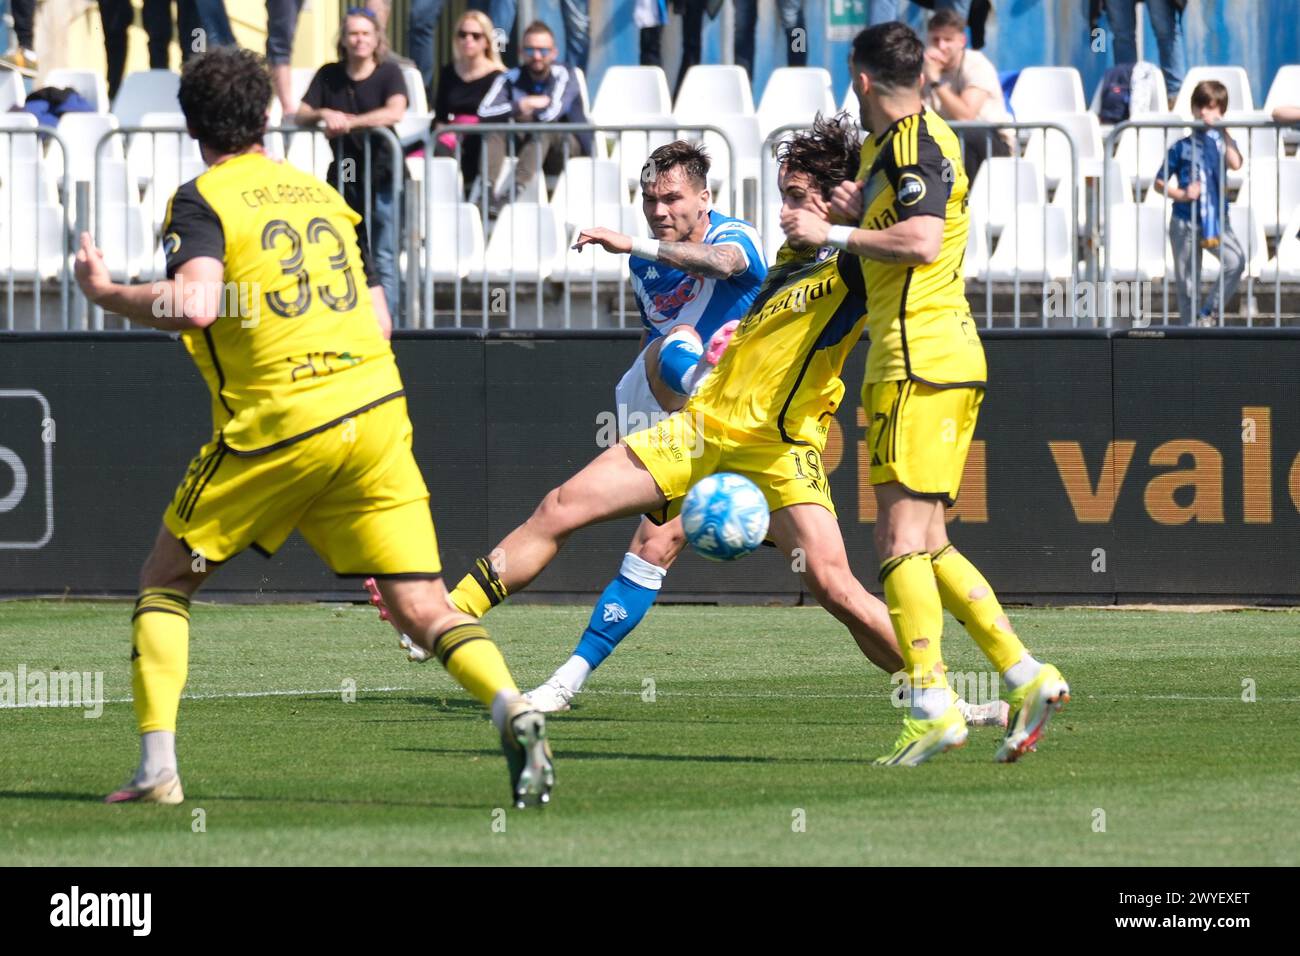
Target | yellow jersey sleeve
(297,348)
(919,319)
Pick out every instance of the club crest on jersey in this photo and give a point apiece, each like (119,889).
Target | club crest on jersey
(911,189)
(171,243)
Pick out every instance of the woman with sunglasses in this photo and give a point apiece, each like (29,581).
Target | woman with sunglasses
(462,85)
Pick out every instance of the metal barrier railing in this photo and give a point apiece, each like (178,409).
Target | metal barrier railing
(1259,133)
(23,198)
(500,149)
(1079,179)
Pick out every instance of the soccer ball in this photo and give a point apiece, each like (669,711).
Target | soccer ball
(724,517)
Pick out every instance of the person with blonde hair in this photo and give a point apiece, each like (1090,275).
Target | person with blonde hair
(462,85)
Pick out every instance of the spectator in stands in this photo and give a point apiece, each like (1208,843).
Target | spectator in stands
(23,56)
(364,90)
(539,91)
(576,15)
(1167,22)
(650,17)
(1195,224)
(215,22)
(1287,114)
(281,25)
(383,9)
(463,84)
(116,17)
(962,84)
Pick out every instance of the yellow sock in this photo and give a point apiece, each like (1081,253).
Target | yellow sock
(917,613)
(160,656)
(967,596)
(480,590)
(470,656)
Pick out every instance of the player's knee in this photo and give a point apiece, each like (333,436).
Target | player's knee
(558,511)
(661,550)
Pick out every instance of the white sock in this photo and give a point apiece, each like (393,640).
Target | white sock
(930,702)
(573,673)
(157,756)
(500,702)
(1022,672)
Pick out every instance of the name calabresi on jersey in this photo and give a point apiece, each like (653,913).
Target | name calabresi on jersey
(920,322)
(297,348)
(779,379)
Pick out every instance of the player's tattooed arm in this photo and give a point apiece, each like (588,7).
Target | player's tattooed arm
(696,258)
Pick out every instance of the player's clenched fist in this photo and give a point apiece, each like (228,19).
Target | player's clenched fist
(846,202)
(803,228)
(610,240)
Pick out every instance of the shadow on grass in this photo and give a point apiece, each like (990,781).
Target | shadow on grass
(195,799)
(565,756)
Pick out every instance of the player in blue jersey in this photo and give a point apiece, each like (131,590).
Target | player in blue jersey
(693,281)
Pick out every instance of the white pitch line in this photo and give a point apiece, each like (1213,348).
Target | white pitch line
(235,695)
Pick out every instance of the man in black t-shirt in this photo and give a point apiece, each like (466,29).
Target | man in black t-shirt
(363,91)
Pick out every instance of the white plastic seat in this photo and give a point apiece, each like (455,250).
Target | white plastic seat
(593,262)
(89,83)
(631,149)
(444,186)
(743,133)
(1233,77)
(32,247)
(162,154)
(1272,189)
(975,264)
(146,91)
(1285,91)
(1036,244)
(1136,240)
(1287,260)
(583,94)
(1054,156)
(585,187)
(126,240)
(18,139)
(300,80)
(26,182)
(524,244)
(628,90)
(418,119)
(773,234)
(12,91)
(455,240)
(534,191)
(1001,183)
(82,133)
(710,90)
(309,150)
(794,94)
(1119,192)
(1046,92)
(1141,152)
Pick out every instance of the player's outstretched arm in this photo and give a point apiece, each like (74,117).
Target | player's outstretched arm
(191,300)
(720,261)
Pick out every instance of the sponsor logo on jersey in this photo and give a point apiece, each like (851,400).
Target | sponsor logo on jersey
(911,189)
(685,291)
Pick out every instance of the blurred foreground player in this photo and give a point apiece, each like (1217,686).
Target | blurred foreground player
(270,292)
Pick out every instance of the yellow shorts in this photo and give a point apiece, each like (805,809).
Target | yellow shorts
(682,449)
(354,491)
(920,435)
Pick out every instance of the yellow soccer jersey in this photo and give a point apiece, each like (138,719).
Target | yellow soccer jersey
(779,379)
(920,325)
(297,348)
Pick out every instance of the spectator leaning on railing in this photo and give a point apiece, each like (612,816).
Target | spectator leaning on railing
(1194,162)
(462,86)
(362,91)
(539,91)
(962,84)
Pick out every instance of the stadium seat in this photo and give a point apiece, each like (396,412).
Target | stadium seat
(12,92)
(33,247)
(89,83)
(585,186)
(300,79)
(582,265)
(794,94)
(1036,244)
(1120,192)
(443,185)
(582,91)
(146,91)
(1048,147)
(850,103)
(1046,92)
(631,90)
(742,132)
(126,239)
(773,235)
(534,192)
(1233,77)
(708,91)
(26,182)
(1135,243)
(456,251)
(83,132)
(18,139)
(1284,91)
(1141,152)
(1272,189)
(526,244)
(975,264)
(309,150)
(418,120)
(1001,183)
(1287,261)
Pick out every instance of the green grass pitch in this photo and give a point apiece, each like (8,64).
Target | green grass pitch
(754,749)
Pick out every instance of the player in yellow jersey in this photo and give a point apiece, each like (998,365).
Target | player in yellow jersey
(762,412)
(275,302)
(922,392)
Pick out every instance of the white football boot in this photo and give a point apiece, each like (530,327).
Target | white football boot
(550,697)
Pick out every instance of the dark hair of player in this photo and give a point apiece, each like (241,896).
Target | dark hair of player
(946,19)
(691,157)
(224,94)
(537,26)
(1210,93)
(891,54)
(828,152)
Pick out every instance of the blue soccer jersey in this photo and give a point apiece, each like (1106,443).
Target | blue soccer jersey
(667,296)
